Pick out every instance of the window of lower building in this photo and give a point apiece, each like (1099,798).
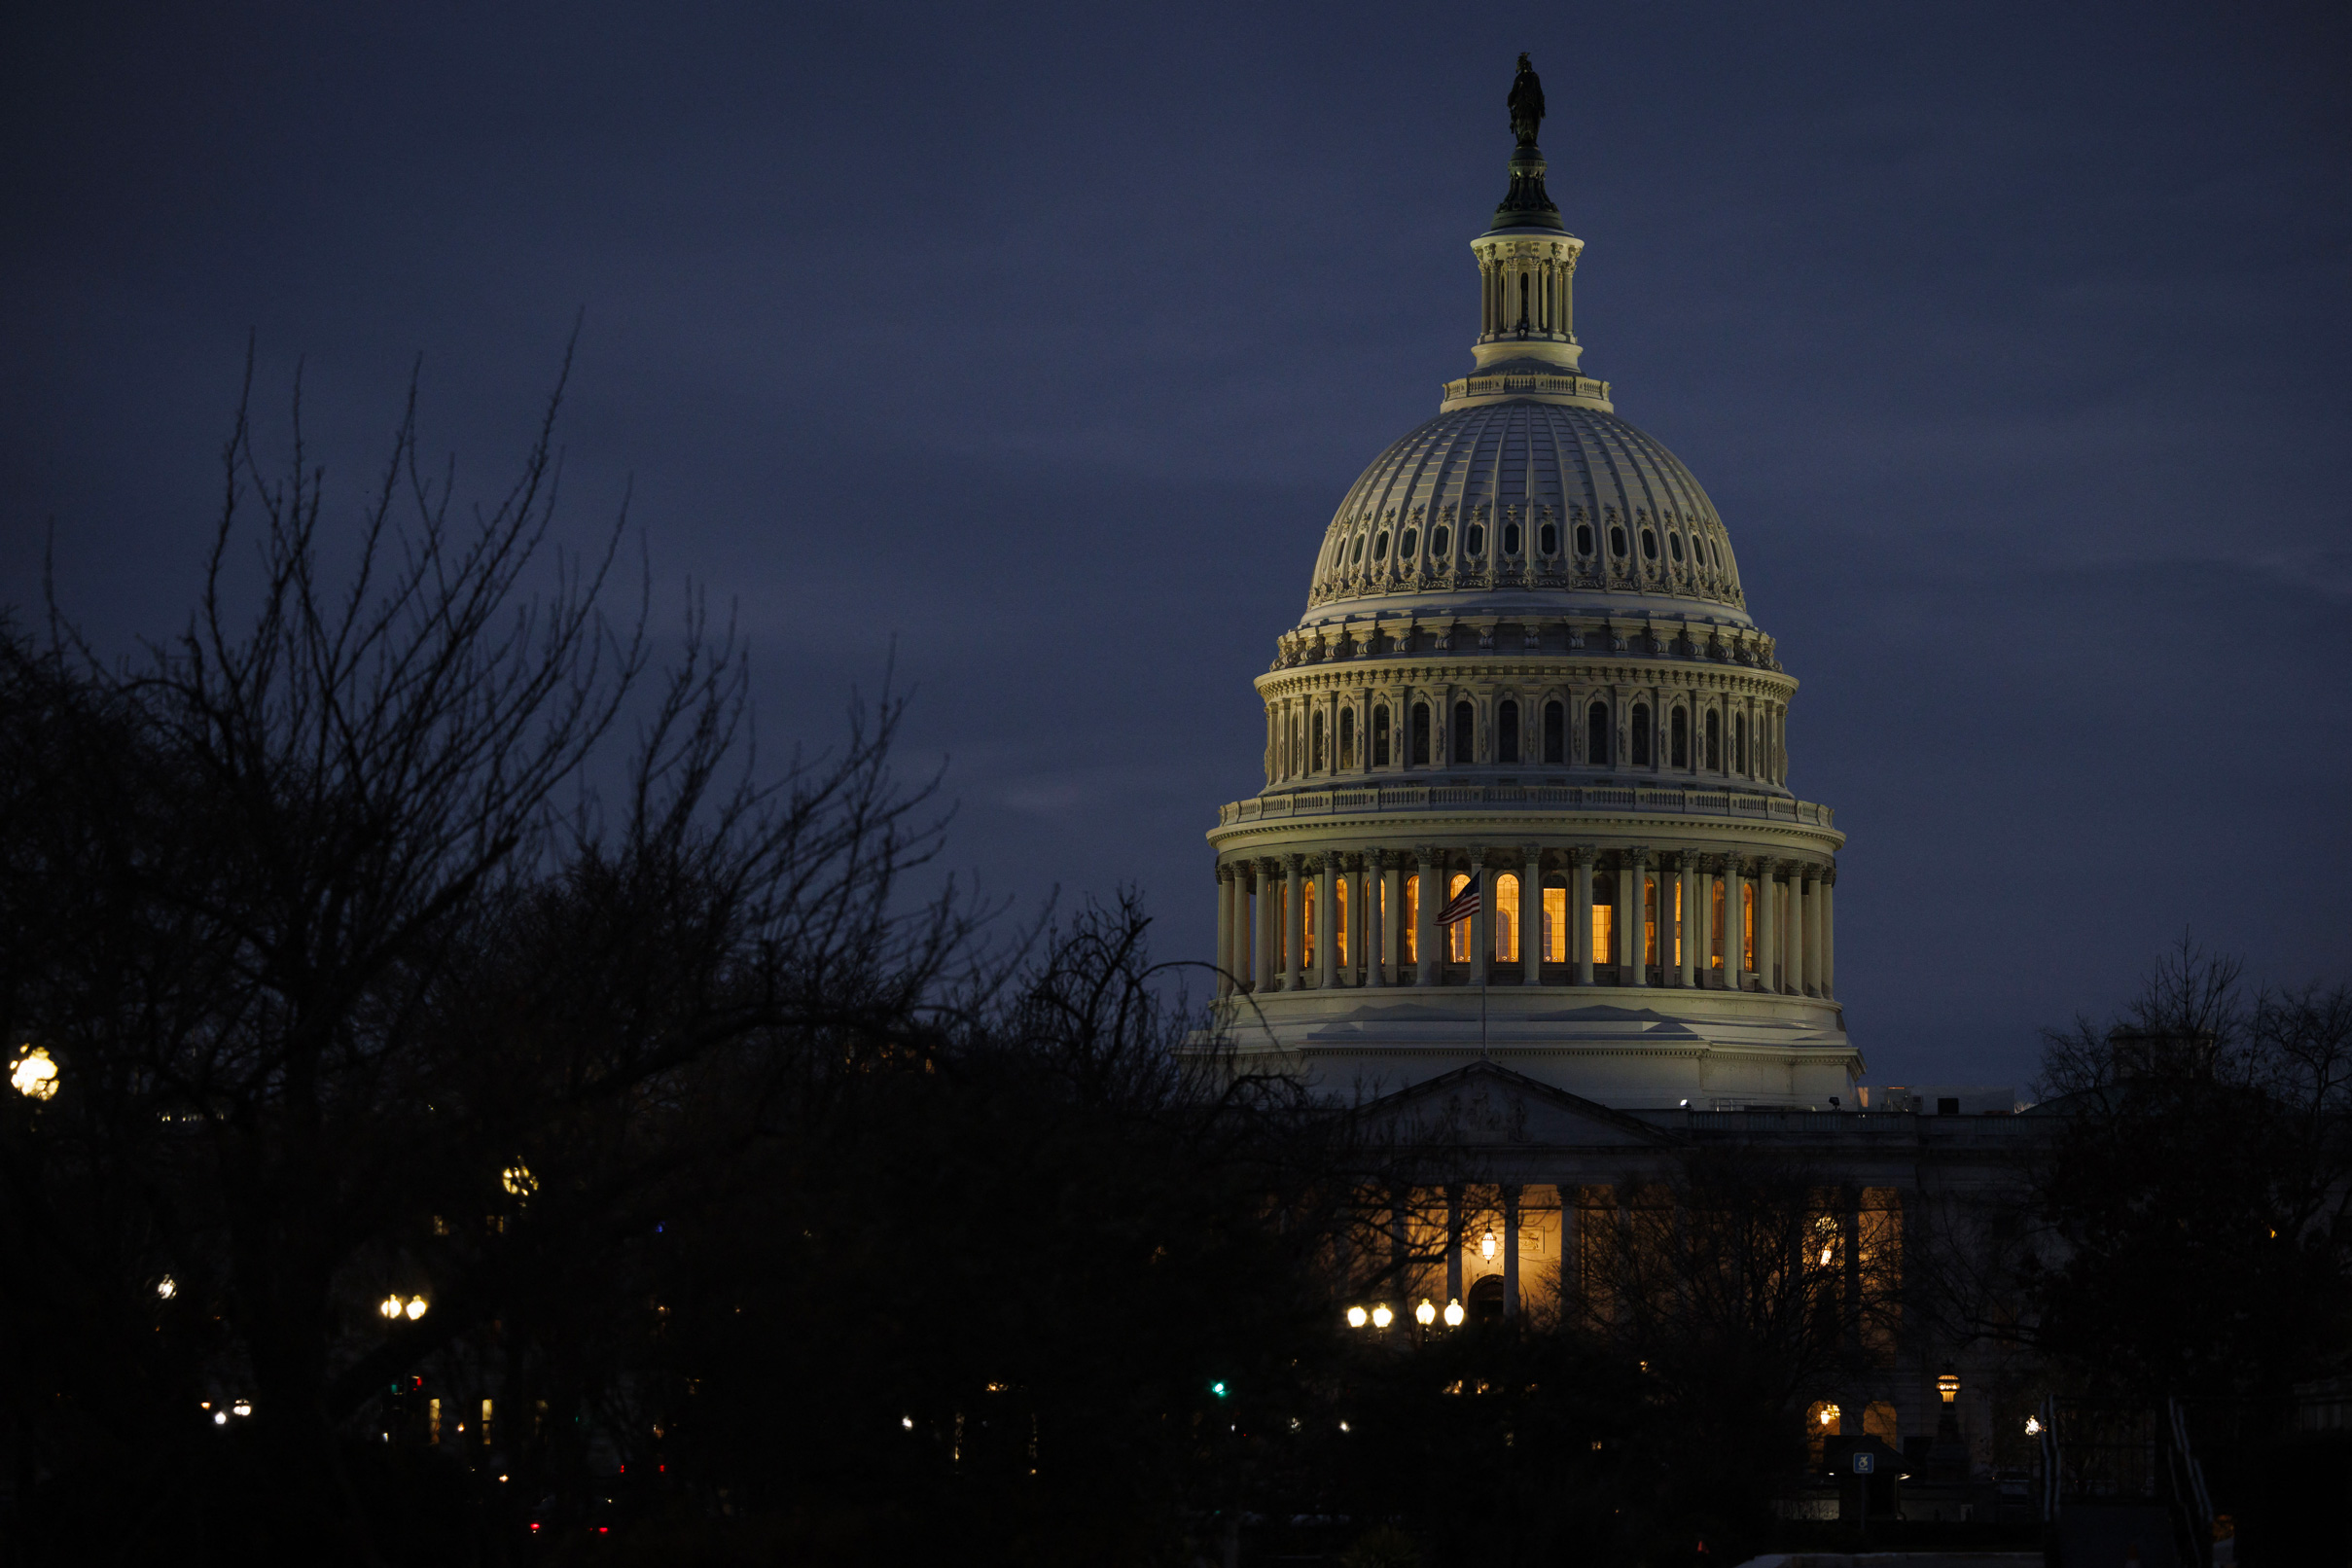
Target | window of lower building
(1507,732)
(1420,734)
(1457,935)
(1555,923)
(1556,733)
(1641,734)
(1347,739)
(1465,725)
(1379,729)
(1411,924)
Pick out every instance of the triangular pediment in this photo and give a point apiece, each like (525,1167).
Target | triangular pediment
(1484,1106)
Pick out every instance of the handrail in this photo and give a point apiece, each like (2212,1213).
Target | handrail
(1631,795)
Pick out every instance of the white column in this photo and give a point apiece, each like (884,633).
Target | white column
(1425,916)
(1481,924)
(1511,1252)
(1374,919)
(1637,870)
(1768,925)
(1531,914)
(1294,923)
(1226,960)
(1686,880)
(1812,933)
(1326,950)
(1792,977)
(1392,915)
(1828,931)
(1735,924)
(1580,900)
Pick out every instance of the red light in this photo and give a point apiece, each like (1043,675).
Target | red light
(624,1470)
(534,1526)
(604,1529)
(661,1470)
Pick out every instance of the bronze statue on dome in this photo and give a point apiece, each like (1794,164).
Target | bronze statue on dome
(1526,103)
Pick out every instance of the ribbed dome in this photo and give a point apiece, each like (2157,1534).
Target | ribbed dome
(1523,497)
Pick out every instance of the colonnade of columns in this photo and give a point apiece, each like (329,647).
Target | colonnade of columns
(1721,921)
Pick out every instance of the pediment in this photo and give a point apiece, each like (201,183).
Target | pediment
(1486,1106)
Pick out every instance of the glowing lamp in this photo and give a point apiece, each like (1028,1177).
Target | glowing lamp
(415,1308)
(1487,1246)
(518,1180)
(1453,1314)
(389,1306)
(1357,1317)
(241,1407)
(1382,1317)
(35,1074)
(1949,1386)
(167,1287)
(1426,1314)
(1829,1416)
(2033,1426)
(220,1418)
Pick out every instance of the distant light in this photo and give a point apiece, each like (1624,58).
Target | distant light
(167,1287)
(1828,1416)
(906,1421)
(1825,1257)
(1343,1426)
(502,1480)
(1686,1105)
(1949,1386)
(1454,1314)
(1216,1389)
(389,1306)
(1357,1317)
(2033,1426)
(534,1526)
(518,1180)
(1425,1314)
(604,1529)
(241,1407)
(35,1074)
(416,1307)
(220,1418)
(1382,1317)
(1487,1246)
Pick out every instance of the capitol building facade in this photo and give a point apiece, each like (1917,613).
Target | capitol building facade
(1527,671)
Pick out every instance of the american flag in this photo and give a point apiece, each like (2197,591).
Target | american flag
(1462,906)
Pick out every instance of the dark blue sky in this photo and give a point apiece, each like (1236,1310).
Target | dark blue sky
(2009,340)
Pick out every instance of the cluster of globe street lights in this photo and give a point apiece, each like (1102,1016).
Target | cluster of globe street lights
(1379,1316)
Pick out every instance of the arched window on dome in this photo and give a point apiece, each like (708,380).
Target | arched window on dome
(1355,556)
(1420,735)
(1464,721)
(1441,539)
(1597,729)
(1617,541)
(1739,744)
(1504,921)
(1714,741)
(1584,539)
(1548,539)
(1314,742)
(1380,737)
(1649,545)
(1674,547)
(1474,541)
(1555,732)
(1678,732)
(1715,558)
(1347,740)
(1641,734)
(1406,542)
(1507,732)
(1511,538)
(1379,547)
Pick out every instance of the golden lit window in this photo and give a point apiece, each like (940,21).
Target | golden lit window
(1715,923)
(1457,935)
(1412,919)
(1339,915)
(1604,935)
(1556,925)
(1649,920)
(1507,919)
(1306,905)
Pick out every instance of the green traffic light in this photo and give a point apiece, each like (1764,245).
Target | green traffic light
(1216,1389)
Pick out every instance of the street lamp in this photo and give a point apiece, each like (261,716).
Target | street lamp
(2033,1426)
(1382,1317)
(1949,1386)
(1487,1246)
(35,1074)
(389,1306)
(1453,1314)
(1426,1314)
(518,1180)
(1357,1317)
(415,1308)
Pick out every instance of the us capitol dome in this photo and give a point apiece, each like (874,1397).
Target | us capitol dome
(1526,775)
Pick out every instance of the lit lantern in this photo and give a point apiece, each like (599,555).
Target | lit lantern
(1453,1314)
(1829,1417)
(1357,1317)
(1382,1317)
(1949,1386)
(2033,1426)
(518,1180)
(415,1308)
(1487,1246)
(389,1306)
(1426,1314)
